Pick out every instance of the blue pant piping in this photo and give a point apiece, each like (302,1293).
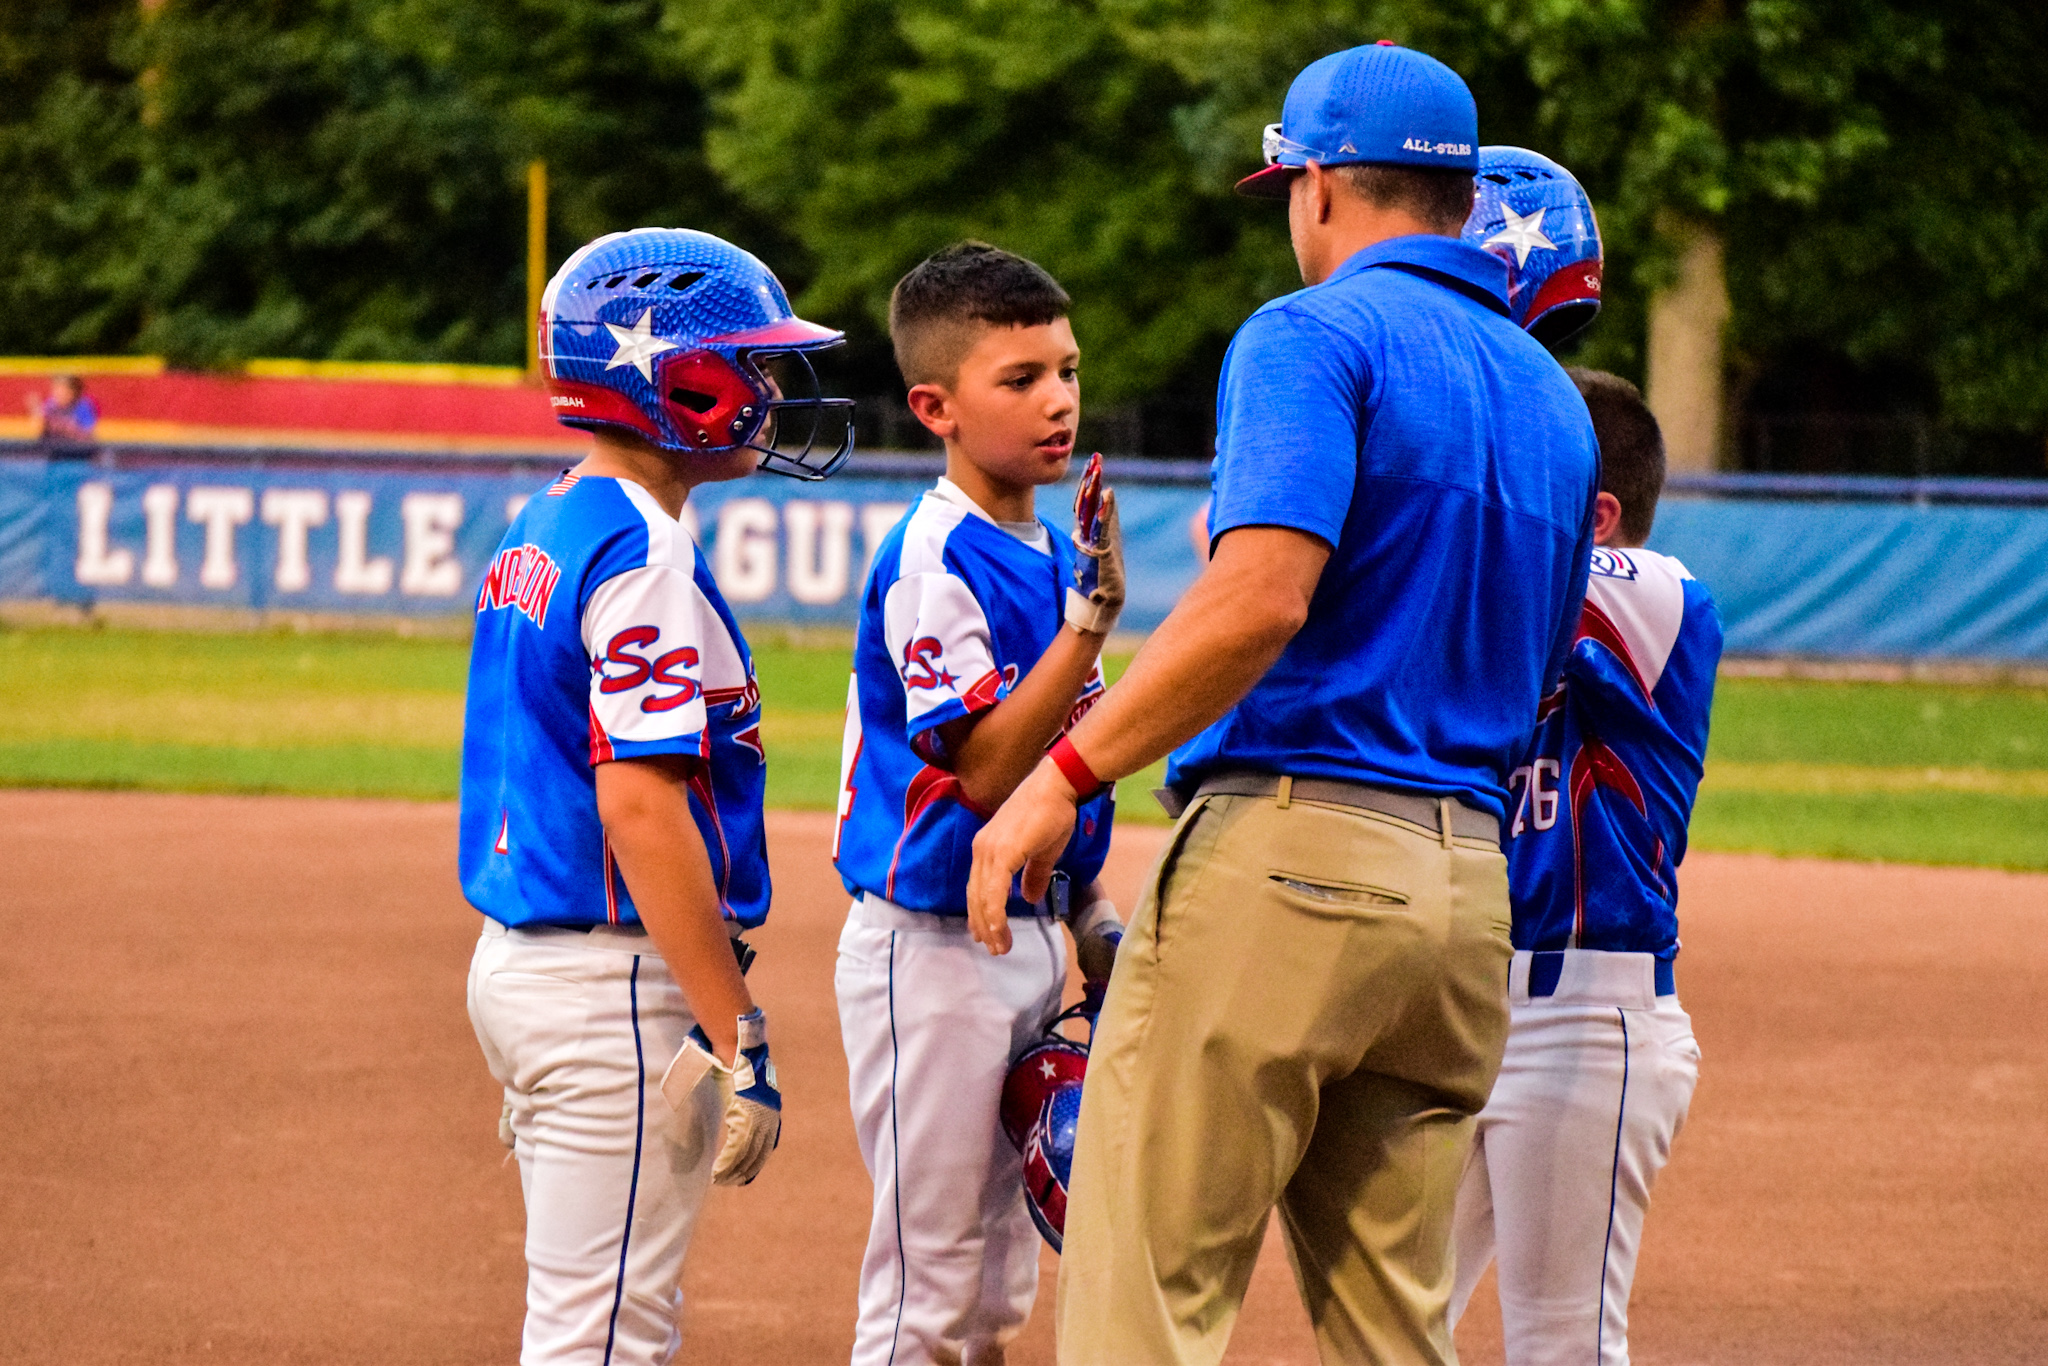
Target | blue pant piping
(639,1132)
(1613,1182)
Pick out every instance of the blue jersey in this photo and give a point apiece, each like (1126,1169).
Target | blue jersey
(1598,826)
(600,635)
(956,610)
(1397,414)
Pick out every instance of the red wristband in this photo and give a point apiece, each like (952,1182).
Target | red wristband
(1070,763)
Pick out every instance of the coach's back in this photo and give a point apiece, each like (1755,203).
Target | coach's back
(1397,413)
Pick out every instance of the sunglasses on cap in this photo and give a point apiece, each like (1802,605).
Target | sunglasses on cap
(1275,144)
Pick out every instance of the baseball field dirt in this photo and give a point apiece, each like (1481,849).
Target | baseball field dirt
(246,1121)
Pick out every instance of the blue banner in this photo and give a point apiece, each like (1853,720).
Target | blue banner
(1876,580)
(342,540)
(1835,578)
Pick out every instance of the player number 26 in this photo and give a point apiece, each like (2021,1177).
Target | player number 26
(1536,802)
(663,671)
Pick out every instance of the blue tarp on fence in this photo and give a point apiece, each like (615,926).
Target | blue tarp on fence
(1820,577)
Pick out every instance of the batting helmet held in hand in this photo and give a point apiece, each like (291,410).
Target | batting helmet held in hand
(1533,214)
(1049,1163)
(688,341)
(1040,1110)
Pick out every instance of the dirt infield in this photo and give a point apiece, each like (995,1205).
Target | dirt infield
(247,1122)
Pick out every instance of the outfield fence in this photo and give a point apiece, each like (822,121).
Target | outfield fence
(1850,568)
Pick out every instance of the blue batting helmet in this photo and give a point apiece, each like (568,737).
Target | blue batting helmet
(1041,1109)
(688,341)
(1049,1163)
(1532,213)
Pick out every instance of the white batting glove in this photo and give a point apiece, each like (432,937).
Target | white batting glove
(1098,932)
(749,1101)
(1097,597)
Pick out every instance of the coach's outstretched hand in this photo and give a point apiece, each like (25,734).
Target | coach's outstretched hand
(1028,832)
(749,1101)
(1097,597)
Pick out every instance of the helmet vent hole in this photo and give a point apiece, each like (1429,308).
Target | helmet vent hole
(613,283)
(1496,177)
(685,280)
(693,400)
(645,280)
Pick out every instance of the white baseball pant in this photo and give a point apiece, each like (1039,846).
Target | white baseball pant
(1593,1088)
(931,1020)
(578,1028)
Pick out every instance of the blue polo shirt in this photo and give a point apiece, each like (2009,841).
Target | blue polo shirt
(1395,412)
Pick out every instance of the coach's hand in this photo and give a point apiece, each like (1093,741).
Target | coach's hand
(1028,832)
(749,1101)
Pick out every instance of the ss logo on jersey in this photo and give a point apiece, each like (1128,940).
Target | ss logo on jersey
(1537,803)
(664,671)
(922,667)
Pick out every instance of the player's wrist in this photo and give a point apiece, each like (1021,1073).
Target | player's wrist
(1090,617)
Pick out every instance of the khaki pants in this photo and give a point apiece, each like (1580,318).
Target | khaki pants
(1308,1012)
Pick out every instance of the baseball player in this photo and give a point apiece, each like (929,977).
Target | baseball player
(1312,1001)
(978,644)
(1600,1061)
(611,789)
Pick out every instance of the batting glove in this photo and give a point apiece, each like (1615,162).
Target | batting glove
(1098,933)
(749,1101)
(1097,596)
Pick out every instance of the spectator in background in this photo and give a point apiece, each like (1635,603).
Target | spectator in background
(64,416)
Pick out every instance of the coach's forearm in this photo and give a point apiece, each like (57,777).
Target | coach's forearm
(646,813)
(1219,640)
(1003,744)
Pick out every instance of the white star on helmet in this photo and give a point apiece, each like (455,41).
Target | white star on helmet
(1523,234)
(638,346)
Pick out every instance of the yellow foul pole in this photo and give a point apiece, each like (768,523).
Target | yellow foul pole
(536,257)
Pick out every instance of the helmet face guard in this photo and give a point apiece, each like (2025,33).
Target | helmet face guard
(802,435)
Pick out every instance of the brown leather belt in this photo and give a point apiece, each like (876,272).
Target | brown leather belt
(1427,812)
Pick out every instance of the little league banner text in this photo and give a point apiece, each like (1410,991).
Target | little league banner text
(336,540)
(1837,578)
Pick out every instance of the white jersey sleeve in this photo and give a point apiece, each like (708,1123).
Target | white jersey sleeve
(938,638)
(644,639)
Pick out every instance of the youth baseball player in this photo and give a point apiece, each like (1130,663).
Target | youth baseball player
(1600,1061)
(977,645)
(611,789)
(1312,1001)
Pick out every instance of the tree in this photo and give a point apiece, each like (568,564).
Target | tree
(880,131)
(1823,147)
(342,179)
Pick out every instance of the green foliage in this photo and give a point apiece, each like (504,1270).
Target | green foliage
(1875,166)
(344,178)
(881,131)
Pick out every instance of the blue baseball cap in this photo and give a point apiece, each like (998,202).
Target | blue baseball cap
(1389,105)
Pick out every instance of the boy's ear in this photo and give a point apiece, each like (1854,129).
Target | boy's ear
(933,407)
(1606,518)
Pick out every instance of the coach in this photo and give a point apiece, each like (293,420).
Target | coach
(1312,1002)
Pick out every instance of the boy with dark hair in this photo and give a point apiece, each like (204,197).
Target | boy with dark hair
(1600,1062)
(978,645)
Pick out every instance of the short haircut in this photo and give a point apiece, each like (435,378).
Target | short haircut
(1631,448)
(1440,197)
(935,312)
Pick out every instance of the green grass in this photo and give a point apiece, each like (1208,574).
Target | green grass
(1909,772)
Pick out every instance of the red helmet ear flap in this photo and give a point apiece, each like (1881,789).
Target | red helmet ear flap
(711,403)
